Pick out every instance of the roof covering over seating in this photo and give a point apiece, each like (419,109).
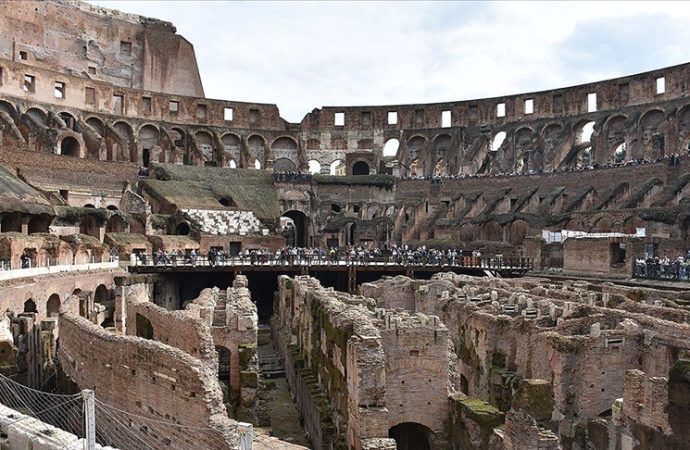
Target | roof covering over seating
(18,196)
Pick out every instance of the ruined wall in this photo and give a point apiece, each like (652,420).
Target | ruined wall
(96,43)
(149,379)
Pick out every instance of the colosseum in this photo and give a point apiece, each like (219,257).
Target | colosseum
(179,272)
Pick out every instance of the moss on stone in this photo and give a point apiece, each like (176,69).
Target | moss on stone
(249,379)
(481,412)
(246,353)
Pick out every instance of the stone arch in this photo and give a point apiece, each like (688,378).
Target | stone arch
(524,150)
(497,141)
(440,147)
(123,150)
(69,119)
(492,231)
(204,144)
(115,224)
(583,131)
(39,223)
(615,133)
(149,139)
(301,223)
(9,109)
(601,225)
(101,294)
(70,146)
(89,225)
(415,145)
(284,165)
(285,147)
(97,125)
(232,144)
(412,436)
(360,168)
(653,139)
(390,148)
(257,151)
(518,232)
(30,306)
(53,305)
(337,167)
(314,166)
(468,232)
(183,229)
(11,222)
(144,328)
(38,115)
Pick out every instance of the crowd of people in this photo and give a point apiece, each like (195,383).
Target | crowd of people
(672,160)
(292,177)
(664,268)
(353,255)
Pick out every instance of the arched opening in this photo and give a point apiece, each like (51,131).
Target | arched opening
(620,153)
(121,152)
(101,294)
(360,168)
(411,436)
(70,121)
(182,229)
(144,327)
(390,148)
(223,364)
(585,133)
(89,225)
(257,150)
(89,205)
(227,202)
(30,306)
(498,141)
(284,165)
(69,146)
(257,164)
(38,116)
(337,168)
(300,224)
(9,109)
(53,305)
(39,224)
(232,164)
(97,125)
(115,225)
(314,166)
(492,231)
(111,208)
(11,222)
(149,137)
(204,144)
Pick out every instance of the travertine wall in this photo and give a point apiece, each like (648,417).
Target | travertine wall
(79,38)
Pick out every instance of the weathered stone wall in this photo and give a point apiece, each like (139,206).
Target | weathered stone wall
(149,379)
(69,37)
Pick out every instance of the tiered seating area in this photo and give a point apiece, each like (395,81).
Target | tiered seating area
(222,223)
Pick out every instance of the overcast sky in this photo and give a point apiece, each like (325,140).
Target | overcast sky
(304,55)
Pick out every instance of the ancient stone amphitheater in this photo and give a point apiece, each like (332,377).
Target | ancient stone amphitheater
(144,306)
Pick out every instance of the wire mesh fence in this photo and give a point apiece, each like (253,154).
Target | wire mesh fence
(111,427)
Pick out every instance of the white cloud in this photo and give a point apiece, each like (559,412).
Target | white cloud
(305,55)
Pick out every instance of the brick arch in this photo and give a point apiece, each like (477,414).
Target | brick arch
(9,109)
(651,130)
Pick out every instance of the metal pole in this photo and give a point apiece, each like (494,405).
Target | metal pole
(89,419)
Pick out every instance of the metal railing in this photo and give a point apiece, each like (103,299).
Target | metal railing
(674,271)
(492,263)
(7,273)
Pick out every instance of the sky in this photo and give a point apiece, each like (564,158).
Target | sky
(304,55)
